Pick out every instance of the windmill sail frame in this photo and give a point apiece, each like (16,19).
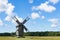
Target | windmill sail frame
(20,27)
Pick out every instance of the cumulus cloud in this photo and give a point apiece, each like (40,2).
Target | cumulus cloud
(6,7)
(9,9)
(54,25)
(34,15)
(3,5)
(30,1)
(54,21)
(54,1)
(8,18)
(1,22)
(43,17)
(44,7)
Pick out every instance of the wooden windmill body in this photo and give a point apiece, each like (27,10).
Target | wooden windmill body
(20,27)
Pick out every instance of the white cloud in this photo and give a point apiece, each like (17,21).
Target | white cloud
(3,4)
(30,1)
(43,17)
(44,7)
(54,21)
(35,15)
(9,9)
(1,22)
(6,7)
(8,18)
(54,1)
(54,25)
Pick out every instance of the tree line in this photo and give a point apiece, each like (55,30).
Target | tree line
(33,34)
(42,33)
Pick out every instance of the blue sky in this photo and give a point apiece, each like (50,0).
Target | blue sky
(44,14)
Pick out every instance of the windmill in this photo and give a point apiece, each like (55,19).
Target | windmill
(20,27)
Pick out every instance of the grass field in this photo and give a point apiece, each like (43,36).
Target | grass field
(31,38)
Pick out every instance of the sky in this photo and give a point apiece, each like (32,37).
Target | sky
(44,15)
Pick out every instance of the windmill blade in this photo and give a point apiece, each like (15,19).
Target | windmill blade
(25,28)
(16,20)
(25,20)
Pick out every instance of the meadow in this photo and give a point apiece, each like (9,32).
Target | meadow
(30,38)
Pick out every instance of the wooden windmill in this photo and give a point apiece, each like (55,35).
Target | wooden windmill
(20,27)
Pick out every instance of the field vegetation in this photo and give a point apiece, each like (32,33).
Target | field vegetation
(30,38)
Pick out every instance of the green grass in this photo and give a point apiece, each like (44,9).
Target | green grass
(30,38)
